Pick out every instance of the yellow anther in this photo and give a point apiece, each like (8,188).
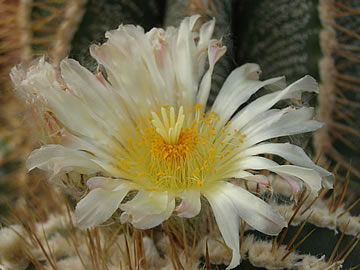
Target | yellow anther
(211,151)
(199,183)
(228,123)
(240,140)
(222,156)
(197,106)
(229,151)
(214,171)
(161,173)
(243,135)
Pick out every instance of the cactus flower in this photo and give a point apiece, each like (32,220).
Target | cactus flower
(143,125)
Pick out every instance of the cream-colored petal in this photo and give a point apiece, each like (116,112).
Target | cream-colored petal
(99,205)
(306,84)
(59,159)
(205,34)
(214,54)
(291,153)
(129,44)
(183,53)
(106,183)
(190,205)
(285,122)
(229,203)
(148,209)
(102,102)
(309,176)
(30,82)
(241,84)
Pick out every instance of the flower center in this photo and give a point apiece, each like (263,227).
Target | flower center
(179,150)
(174,143)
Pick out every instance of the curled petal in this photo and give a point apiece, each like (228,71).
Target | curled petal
(230,203)
(98,206)
(148,209)
(284,122)
(305,84)
(292,153)
(241,84)
(214,54)
(309,176)
(105,183)
(59,159)
(190,205)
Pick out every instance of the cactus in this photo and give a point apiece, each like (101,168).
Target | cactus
(40,230)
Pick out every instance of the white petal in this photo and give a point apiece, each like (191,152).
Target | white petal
(292,153)
(31,82)
(106,183)
(190,205)
(309,176)
(98,206)
(206,31)
(77,117)
(294,183)
(101,101)
(214,54)
(129,44)
(258,178)
(186,69)
(241,84)
(230,203)
(285,123)
(149,208)
(264,103)
(59,159)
